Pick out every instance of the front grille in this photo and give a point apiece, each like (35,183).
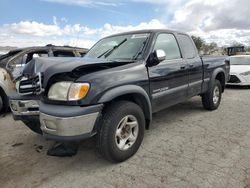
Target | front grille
(31,85)
(234,79)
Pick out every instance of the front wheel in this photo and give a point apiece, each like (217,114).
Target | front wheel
(211,99)
(1,103)
(122,131)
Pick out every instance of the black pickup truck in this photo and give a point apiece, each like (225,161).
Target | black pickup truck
(113,91)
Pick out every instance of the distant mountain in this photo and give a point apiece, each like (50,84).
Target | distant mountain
(7,48)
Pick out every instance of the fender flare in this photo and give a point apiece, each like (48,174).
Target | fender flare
(129,89)
(216,72)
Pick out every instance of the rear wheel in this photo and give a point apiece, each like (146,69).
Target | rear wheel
(122,131)
(211,99)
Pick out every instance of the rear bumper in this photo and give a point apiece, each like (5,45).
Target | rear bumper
(68,123)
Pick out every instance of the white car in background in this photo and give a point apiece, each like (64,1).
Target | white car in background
(239,70)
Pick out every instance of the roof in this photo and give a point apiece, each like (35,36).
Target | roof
(231,47)
(48,46)
(147,31)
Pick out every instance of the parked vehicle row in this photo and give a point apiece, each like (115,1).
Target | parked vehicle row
(113,91)
(12,64)
(240,70)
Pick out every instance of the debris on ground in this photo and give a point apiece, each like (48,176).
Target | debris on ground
(17,144)
(66,149)
(39,149)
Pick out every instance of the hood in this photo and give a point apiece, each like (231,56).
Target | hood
(237,69)
(79,66)
(42,64)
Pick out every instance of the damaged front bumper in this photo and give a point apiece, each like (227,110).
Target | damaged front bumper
(69,123)
(24,106)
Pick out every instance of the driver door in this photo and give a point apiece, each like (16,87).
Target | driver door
(169,79)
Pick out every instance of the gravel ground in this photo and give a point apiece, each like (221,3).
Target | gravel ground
(185,147)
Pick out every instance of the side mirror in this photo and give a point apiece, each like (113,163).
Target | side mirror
(161,55)
(156,57)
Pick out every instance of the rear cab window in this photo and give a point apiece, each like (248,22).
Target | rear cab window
(187,45)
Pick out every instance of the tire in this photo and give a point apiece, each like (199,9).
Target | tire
(3,102)
(211,100)
(117,125)
(33,124)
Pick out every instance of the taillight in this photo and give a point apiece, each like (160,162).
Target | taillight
(227,62)
(227,65)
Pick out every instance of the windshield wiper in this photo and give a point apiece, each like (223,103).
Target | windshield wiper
(110,51)
(140,50)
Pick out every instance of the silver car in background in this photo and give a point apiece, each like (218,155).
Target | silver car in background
(13,63)
(239,70)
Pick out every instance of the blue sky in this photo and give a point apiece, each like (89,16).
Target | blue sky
(83,22)
(92,16)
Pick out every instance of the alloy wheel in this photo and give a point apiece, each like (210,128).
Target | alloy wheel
(126,132)
(216,95)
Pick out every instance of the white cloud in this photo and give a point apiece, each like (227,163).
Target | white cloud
(225,36)
(218,21)
(214,20)
(28,33)
(33,28)
(211,15)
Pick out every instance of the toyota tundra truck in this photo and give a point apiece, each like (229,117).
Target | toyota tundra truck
(113,91)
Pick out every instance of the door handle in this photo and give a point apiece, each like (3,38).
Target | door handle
(183,67)
(191,65)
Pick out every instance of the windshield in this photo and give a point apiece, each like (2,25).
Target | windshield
(127,47)
(240,60)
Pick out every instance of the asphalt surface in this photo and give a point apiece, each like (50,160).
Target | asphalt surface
(185,147)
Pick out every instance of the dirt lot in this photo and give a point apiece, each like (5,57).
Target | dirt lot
(186,147)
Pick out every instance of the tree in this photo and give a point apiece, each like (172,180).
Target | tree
(199,42)
(209,49)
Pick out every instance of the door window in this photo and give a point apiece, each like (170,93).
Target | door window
(168,43)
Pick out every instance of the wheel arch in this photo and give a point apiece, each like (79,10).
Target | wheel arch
(219,74)
(132,93)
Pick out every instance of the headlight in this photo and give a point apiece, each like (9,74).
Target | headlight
(59,91)
(78,91)
(68,91)
(245,73)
